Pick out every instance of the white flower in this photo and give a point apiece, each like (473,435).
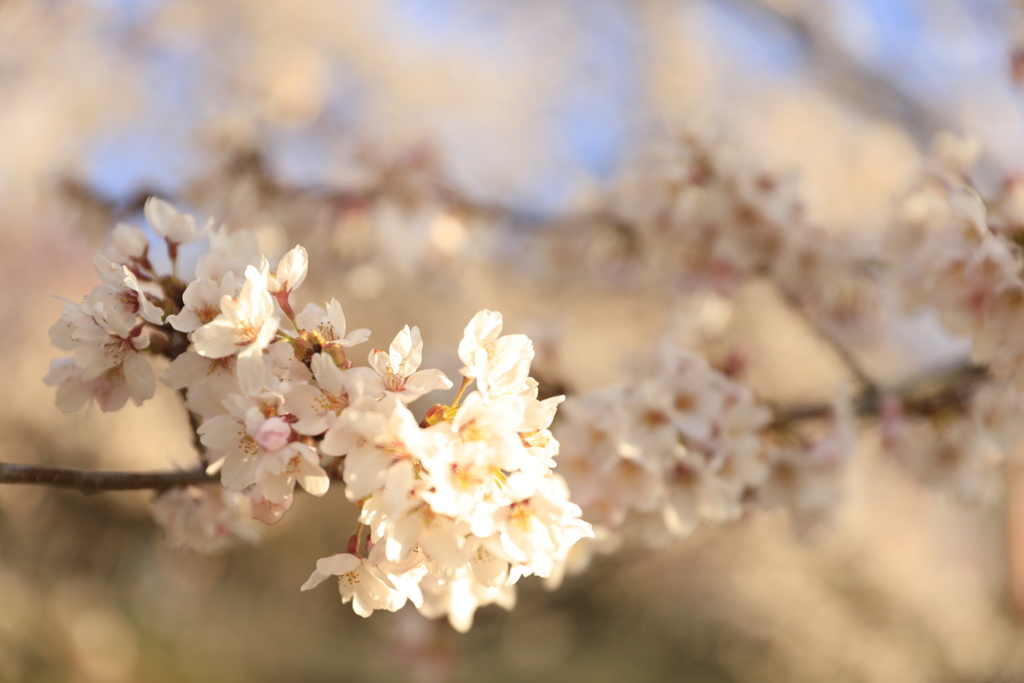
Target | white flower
(317,406)
(121,293)
(200,517)
(202,300)
(330,324)
(439,537)
(72,392)
(278,471)
(389,436)
(261,449)
(359,581)
(118,360)
(397,368)
(230,252)
(246,326)
(536,529)
(168,223)
(189,369)
(459,596)
(128,243)
(500,365)
(290,272)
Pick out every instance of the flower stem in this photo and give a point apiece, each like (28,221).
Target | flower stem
(466,381)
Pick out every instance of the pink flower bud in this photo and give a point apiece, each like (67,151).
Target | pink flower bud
(274,434)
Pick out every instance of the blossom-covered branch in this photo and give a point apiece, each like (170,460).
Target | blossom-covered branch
(457,503)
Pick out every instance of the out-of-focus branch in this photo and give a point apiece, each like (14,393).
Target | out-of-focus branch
(845,354)
(96,482)
(868,91)
(921,397)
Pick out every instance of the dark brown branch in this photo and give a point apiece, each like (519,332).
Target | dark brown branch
(97,482)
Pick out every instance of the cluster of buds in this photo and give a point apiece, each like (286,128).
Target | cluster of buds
(454,508)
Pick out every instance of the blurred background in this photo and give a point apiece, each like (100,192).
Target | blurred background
(421,150)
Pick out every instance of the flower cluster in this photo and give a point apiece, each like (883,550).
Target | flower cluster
(684,444)
(454,508)
(957,448)
(701,214)
(461,507)
(201,517)
(964,261)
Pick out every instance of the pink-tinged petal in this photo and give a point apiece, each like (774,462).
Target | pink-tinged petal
(313,479)
(216,339)
(310,317)
(202,293)
(425,381)
(340,438)
(265,511)
(276,487)
(406,352)
(110,396)
(273,434)
(251,371)
(380,362)
(462,607)
(488,520)
(239,469)
(364,473)
(484,327)
(329,376)
(186,321)
(223,433)
(72,395)
(141,341)
(360,606)
(355,337)
(335,318)
(440,542)
(404,536)
(336,565)
(306,402)
(187,370)
(489,569)
(266,333)
(314,580)
(168,223)
(398,482)
(147,309)
(291,269)
(138,375)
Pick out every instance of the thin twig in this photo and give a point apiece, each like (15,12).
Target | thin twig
(195,422)
(846,355)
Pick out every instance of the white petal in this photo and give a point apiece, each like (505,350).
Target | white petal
(251,371)
(336,565)
(187,370)
(314,580)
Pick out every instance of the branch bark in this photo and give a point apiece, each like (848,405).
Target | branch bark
(96,482)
